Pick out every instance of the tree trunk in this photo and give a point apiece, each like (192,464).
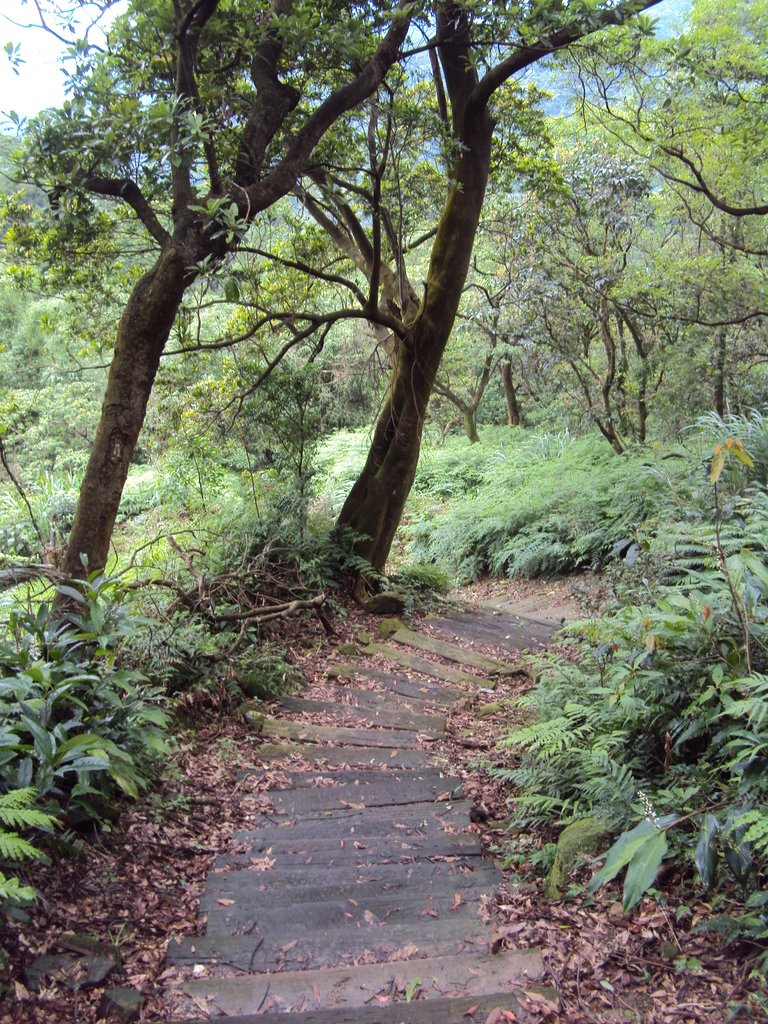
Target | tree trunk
(141,337)
(510,394)
(469,417)
(375,504)
(721,358)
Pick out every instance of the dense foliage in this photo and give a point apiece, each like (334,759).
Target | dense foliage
(661,709)
(614,294)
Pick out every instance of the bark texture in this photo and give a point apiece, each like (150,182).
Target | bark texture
(144,328)
(375,504)
(510,395)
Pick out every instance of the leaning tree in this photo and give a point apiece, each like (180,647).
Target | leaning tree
(201,115)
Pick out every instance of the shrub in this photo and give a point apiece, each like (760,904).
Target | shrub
(74,724)
(527,507)
(663,712)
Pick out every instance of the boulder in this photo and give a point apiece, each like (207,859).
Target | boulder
(339,671)
(388,602)
(257,719)
(389,626)
(489,710)
(348,650)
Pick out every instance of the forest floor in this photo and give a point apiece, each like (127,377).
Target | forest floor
(139,883)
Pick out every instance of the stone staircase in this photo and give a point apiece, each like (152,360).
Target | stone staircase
(359,896)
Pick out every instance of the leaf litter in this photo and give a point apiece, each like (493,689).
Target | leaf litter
(140,883)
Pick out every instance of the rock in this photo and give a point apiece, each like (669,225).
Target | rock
(257,719)
(122,1004)
(339,671)
(616,912)
(583,836)
(388,627)
(90,944)
(348,650)
(388,602)
(363,638)
(68,969)
(489,710)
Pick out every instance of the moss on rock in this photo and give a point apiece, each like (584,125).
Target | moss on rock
(583,836)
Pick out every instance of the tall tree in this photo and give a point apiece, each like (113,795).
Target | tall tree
(470,74)
(200,116)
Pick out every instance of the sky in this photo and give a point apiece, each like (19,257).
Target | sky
(40,80)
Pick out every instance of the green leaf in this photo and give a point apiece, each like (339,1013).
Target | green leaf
(622,852)
(739,860)
(71,592)
(643,868)
(125,782)
(706,850)
(411,988)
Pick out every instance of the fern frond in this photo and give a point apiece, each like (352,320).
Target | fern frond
(14,847)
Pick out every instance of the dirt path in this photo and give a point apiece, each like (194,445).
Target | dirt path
(364,884)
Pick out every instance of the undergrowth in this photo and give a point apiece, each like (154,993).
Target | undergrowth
(517,505)
(658,722)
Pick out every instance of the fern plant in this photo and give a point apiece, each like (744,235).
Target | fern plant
(17,812)
(664,715)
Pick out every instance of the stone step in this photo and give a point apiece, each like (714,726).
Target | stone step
(427,691)
(340,735)
(415,819)
(265,854)
(305,876)
(431,693)
(246,913)
(536,608)
(499,630)
(359,795)
(376,717)
(332,775)
(465,1010)
(374,883)
(388,699)
(452,652)
(259,954)
(357,757)
(436,977)
(425,667)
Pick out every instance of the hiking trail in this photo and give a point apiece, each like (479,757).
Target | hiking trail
(359,896)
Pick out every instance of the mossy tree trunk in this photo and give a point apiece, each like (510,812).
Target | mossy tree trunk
(267,164)
(375,504)
(144,328)
(510,395)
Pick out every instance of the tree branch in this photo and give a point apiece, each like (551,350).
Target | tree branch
(125,188)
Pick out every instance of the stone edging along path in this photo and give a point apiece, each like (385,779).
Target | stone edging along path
(358,895)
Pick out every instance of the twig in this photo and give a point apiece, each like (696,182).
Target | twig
(259,944)
(21,493)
